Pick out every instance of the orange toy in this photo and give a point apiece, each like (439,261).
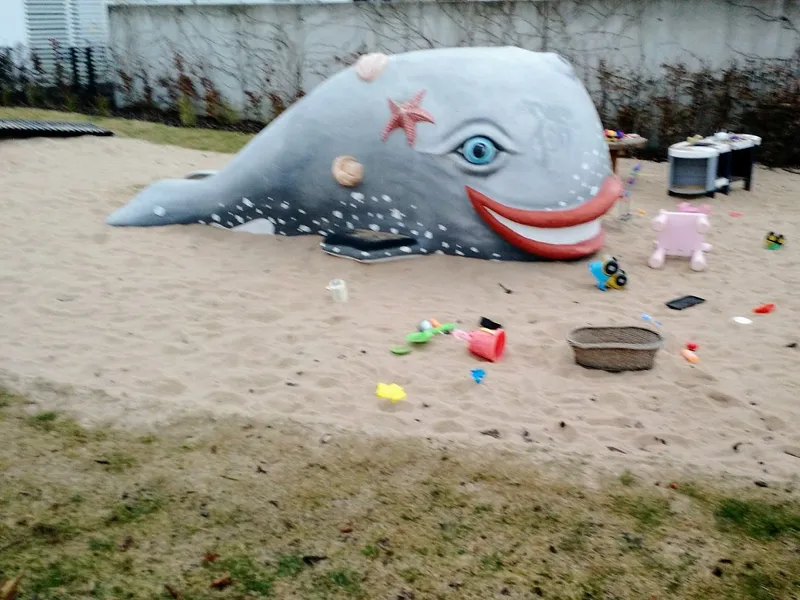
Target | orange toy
(690,356)
(764,309)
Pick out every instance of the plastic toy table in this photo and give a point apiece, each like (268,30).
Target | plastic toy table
(618,146)
(711,165)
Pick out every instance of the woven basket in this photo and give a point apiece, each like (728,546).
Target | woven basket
(615,349)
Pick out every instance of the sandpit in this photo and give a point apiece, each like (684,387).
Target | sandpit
(145,325)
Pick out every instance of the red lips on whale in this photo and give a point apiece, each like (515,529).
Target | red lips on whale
(552,234)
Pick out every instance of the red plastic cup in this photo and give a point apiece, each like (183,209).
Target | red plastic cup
(487,343)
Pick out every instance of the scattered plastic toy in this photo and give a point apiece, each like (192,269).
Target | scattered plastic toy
(742,320)
(625,206)
(608,274)
(691,346)
(764,309)
(650,319)
(478,375)
(690,355)
(423,335)
(484,343)
(690,208)
(774,241)
(391,391)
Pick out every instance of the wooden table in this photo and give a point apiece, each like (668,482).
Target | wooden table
(617,147)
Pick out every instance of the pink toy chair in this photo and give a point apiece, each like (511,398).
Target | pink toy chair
(680,234)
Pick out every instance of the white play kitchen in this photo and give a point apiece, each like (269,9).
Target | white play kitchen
(705,166)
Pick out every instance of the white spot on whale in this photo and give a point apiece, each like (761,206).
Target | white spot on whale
(284,205)
(386,198)
(324,220)
(585,166)
(595,152)
(220,204)
(315,222)
(373,198)
(240,219)
(217,225)
(576,177)
(350,225)
(353,205)
(338,214)
(414,206)
(301,211)
(281,221)
(374,227)
(593,190)
(247,203)
(357,196)
(394,230)
(239,207)
(396,214)
(379,215)
(201,222)
(304,229)
(495,255)
(562,203)
(580,198)
(414,232)
(229,223)
(459,252)
(364,253)
(474,249)
(336,249)
(423,250)
(355,217)
(323,233)
(428,235)
(272,220)
(405,249)
(159,211)
(259,211)
(445,245)
(442,227)
(261,226)
(369,214)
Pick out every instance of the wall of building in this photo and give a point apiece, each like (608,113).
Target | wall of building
(281,49)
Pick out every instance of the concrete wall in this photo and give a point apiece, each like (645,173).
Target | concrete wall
(284,48)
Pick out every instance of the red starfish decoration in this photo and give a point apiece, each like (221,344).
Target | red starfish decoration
(406,115)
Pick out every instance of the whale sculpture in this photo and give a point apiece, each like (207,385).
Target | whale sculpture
(492,153)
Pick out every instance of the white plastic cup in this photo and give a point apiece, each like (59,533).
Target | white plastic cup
(338,290)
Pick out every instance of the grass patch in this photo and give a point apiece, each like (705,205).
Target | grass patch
(648,511)
(757,518)
(186,137)
(121,516)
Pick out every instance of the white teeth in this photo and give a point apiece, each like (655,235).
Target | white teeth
(548,235)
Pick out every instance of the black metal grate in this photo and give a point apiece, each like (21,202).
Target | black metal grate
(24,128)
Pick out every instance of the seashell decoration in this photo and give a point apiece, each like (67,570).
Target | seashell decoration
(369,66)
(347,171)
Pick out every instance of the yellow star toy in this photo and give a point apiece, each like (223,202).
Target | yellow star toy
(391,391)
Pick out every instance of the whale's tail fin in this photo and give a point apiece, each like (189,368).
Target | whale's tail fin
(167,202)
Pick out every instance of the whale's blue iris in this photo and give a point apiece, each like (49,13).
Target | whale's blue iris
(478,150)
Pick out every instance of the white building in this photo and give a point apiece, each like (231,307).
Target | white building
(71,23)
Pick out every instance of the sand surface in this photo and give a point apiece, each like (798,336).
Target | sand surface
(147,325)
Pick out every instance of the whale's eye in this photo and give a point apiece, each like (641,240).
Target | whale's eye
(478,150)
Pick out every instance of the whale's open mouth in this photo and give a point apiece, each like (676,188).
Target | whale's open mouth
(554,234)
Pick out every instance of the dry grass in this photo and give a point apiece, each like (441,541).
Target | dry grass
(198,139)
(88,514)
